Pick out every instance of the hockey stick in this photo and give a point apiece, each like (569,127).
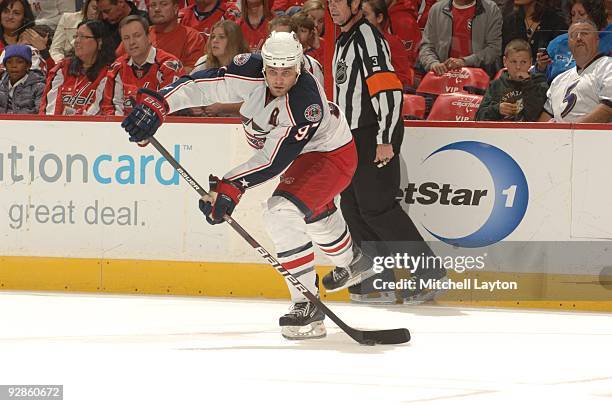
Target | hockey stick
(394,336)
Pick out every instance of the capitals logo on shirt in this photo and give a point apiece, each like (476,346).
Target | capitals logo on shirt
(313,113)
(173,64)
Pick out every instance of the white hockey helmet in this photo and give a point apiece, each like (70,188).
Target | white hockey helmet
(282,50)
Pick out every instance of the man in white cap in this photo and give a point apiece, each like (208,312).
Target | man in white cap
(297,134)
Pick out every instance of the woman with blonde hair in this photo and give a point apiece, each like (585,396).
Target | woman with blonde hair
(225,42)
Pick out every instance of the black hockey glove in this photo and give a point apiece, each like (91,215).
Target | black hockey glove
(228,196)
(147,116)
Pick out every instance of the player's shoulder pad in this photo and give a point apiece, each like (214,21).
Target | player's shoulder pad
(246,65)
(305,100)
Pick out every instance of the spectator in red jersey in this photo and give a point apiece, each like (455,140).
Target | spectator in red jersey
(307,34)
(143,66)
(316,10)
(256,15)
(226,41)
(202,15)
(286,7)
(166,33)
(402,22)
(75,85)
(375,11)
(112,12)
(461,33)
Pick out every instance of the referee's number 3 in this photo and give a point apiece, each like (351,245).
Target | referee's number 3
(570,98)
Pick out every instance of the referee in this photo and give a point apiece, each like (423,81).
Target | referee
(369,92)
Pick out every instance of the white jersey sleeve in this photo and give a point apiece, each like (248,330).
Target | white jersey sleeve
(231,84)
(573,94)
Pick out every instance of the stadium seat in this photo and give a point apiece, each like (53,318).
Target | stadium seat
(499,73)
(455,107)
(455,81)
(414,107)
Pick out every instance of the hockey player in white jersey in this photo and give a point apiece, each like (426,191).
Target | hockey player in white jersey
(297,134)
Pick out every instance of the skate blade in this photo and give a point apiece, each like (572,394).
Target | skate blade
(355,280)
(374,298)
(313,330)
(425,296)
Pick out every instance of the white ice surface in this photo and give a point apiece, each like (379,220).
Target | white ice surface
(145,350)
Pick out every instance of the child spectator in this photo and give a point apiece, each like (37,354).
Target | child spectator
(308,36)
(21,89)
(287,24)
(516,95)
(375,11)
(63,41)
(75,85)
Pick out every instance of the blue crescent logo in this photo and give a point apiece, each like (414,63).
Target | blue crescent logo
(511,194)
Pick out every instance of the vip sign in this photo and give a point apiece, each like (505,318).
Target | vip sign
(468,194)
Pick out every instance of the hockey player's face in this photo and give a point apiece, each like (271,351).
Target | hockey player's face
(583,41)
(12,17)
(16,68)
(280,80)
(135,41)
(162,11)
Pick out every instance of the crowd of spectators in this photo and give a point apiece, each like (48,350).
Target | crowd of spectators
(91,61)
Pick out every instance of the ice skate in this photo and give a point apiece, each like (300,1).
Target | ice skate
(304,321)
(422,293)
(360,269)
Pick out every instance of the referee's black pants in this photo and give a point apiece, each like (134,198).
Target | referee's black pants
(369,204)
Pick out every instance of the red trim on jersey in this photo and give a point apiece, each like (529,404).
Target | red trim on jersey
(296,263)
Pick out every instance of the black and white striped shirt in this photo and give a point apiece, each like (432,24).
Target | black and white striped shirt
(365,85)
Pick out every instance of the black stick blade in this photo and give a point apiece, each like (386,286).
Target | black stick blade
(394,336)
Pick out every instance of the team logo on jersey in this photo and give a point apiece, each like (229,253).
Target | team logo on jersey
(341,72)
(313,113)
(287,180)
(241,59)
(173,64)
